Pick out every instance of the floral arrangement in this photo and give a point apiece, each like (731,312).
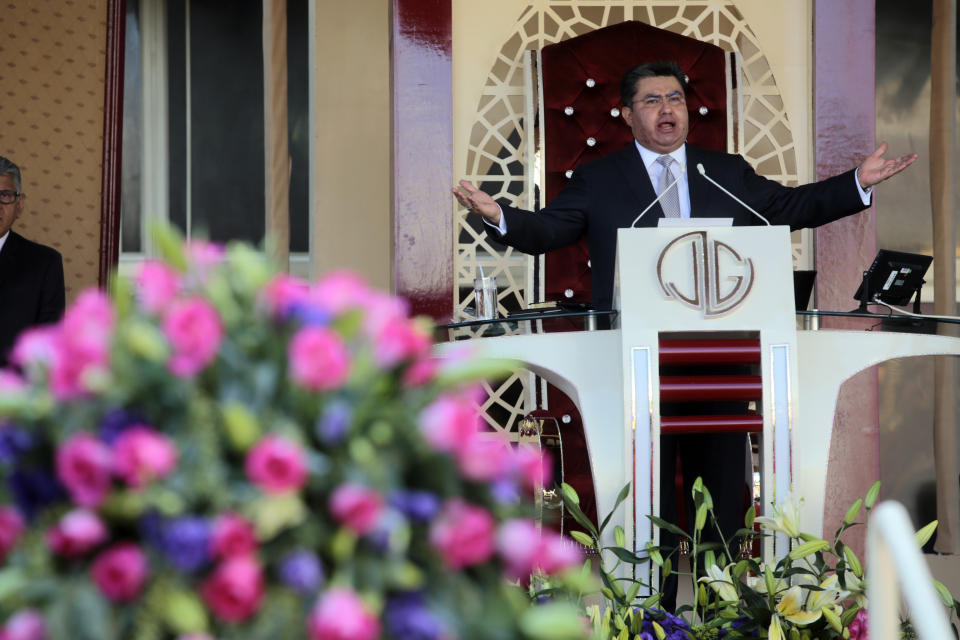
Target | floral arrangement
(815,591)
(217,450)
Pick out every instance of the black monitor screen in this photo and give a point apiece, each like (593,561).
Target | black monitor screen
(895,276)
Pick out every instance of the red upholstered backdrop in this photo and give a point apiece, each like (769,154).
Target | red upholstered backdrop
(581,112)
(581,100)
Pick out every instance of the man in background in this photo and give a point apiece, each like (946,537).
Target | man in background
(31,274)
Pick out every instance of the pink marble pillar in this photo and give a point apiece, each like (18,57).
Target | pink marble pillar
(844,123)
(423,155)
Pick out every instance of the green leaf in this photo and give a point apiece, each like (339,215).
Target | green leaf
(832,619)
(701,518)
(853,561)
(619,537)
(475,369)
(872,494)
(849,615)
(945,597)
(553,621)
(749,517)
(624,492)
(923,535)
(582,538)
(626,556)
(853,511)
(569,493)
(672,528)
(769,580)
(184,612)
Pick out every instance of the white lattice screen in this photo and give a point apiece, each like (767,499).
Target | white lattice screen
(495,157)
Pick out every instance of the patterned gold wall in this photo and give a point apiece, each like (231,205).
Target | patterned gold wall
(51,110)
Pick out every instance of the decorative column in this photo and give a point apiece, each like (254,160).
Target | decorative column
(423,155)
(276,150)
(943,73)
(844,124)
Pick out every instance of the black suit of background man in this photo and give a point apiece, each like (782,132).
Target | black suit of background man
(31,274)
(608,194)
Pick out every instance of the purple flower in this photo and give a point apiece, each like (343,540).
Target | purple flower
(116,421)
(419,506)
(13,442)
(185,542)
(309,315)
(675,628)
(505,491)
(333,425)
(33,490)
(301,571)
(407,617)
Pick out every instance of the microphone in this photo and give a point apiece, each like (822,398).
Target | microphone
(683,169)
(703,172)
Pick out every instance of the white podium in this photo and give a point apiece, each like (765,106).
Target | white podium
(705,282)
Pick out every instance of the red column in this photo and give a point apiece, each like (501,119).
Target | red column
(844,123)
(423,155)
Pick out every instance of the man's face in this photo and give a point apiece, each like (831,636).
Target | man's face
(658,115)
(9,212)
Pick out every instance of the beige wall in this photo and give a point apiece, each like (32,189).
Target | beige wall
(51,124)
(352,171)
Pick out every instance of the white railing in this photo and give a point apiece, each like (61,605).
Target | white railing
(897,566)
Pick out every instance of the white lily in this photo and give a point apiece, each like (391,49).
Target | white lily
(775,632)
(786,518)
(721,582)
(759,584)
(830,594)
(791,607)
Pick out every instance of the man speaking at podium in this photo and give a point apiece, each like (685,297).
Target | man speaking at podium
(658,176)
(609,193)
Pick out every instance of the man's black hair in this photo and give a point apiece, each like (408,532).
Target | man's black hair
(628,86)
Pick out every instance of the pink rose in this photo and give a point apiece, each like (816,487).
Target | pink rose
(340,291)
(859,627)
(482,458)
(533,466)
(76,533)
(525,549)
(195,331)
(449,422)
(234,592)
(421,372)
(157,285)
(284,292)
(319,360)
(463,534)
(232,536)
(11,528)
(276,465)
(203,257)
(120,572)
(356,507)
(83,466)
(340,614)
(11,381)
(37,346)
(382,309)
(398,341)
(26,624)
(141,454)
(558,553)
(83,345)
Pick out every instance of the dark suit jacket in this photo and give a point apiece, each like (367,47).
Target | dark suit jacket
(31,288)
(608,193)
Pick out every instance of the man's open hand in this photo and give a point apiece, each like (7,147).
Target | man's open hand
(875,169)
(477,201)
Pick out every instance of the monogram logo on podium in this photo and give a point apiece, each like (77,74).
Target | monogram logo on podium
(716,278)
